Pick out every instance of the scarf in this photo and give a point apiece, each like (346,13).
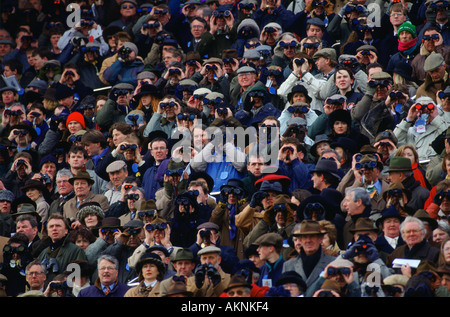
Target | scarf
(407,47)
(232,225)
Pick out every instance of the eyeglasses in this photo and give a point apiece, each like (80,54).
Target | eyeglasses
(35,273)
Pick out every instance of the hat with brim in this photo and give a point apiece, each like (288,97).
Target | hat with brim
(425,217)
(292,277)
(396,186)
(433,61)
(202,175)
(309,227)
(345,143)
(390,212)
(178,288)
(269,186)
(148,89)
(110,223)
(15,205)
(399,164)
(6,195)
(285,181)
(27,209)
(270,239)
(81,175)
(363,224)
(237,280)
(33,184)
(328,53)
(321,138)
(6,88)
(326,166)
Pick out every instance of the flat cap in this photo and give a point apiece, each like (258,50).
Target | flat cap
(116,166)
(433,61)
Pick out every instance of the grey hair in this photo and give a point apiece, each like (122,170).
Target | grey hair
(360,193)
(64,172)
(108,258)
(412,219)
(330,150)
(36,262)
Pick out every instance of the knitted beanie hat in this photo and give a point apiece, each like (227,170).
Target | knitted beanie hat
(409,27)
(76,116)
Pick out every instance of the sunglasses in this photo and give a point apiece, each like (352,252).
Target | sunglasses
(129,6)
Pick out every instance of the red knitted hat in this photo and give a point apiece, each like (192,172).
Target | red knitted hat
(76,116)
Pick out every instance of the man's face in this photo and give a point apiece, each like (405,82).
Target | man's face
(255,166)
(26,228)
(7,72)
(118,137)
(371,175)
(430,43)
(36,277)
(38,62)
(117,177)
(92,148)
(56,229)
(437,74)
(159,151)
(127,9)
(184,267)
(412,233)
(395,177)
(169,57)
(107,272)
(130,202)
(64,187)
(246,79)
(265,251)
(322,64)
(315,30)
(350,205)
(49,168)
(77,160)
(197,29)
(397,18)
(343,79)
(5,207)
(81,187)
(5,49)
(8,97)
(445,205)
(36,116)
(310,243)
(210,258)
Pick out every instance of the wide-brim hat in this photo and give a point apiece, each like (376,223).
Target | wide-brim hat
(33,184)
(340,115)
(345,143)
(82,175)
(399,164)
(271,186)
(309,227)
(396,186)
(202,175)
(27,209)
(425,217)
(234,182)
(177,288)
(292,277)
(148,89)
(327,166)
(110,223)
(237,280)
(390,212)
(145,205)
(363,224)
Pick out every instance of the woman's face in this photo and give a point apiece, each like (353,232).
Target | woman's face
(340,127)
(391,227)
(33,194)
(409,154)
(446,252)
(146,100)
(82,242)
(91,220)
(149,271)
(447,166)
(74,127)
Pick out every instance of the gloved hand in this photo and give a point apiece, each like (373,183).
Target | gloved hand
(200,274)
(257,198)
(352,250)
(371,252)
(213,275)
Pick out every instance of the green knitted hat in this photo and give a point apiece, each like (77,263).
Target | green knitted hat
(409,27)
